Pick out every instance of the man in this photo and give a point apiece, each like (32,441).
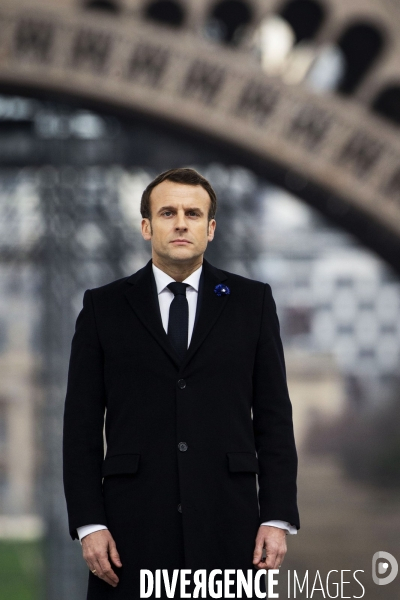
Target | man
(187,362)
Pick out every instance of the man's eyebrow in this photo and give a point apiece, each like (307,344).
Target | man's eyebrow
(173,208)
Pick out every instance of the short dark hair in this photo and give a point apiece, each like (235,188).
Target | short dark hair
(183,175)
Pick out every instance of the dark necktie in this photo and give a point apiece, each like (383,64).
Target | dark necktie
(178,321)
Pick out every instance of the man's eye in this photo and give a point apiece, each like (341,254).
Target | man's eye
(166,212)
(193,212)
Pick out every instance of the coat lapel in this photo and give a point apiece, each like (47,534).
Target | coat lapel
(209,308)
(142,297)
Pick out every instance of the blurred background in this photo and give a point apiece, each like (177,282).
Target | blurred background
(291,108)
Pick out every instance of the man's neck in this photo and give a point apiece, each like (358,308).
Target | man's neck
(178,271)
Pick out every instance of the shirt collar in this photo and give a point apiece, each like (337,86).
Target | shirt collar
(162,279)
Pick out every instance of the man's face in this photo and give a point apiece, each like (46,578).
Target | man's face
(179,230)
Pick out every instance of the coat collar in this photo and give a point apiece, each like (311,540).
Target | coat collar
(142,298)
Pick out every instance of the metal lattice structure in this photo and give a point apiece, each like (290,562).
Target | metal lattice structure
(331,149)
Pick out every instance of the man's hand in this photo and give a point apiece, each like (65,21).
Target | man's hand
(274,541)
(96,547)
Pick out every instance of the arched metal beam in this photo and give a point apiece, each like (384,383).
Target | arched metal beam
(330,151)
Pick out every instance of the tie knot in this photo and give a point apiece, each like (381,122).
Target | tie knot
(178,288)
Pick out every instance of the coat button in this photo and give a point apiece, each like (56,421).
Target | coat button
(179,508)
(182,446)
(181,384)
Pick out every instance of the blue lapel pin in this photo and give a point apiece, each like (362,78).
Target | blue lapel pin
(222,290)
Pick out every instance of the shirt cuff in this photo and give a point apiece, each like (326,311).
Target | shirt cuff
(86,529)
(282,525)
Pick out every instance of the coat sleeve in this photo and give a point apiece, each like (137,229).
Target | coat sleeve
(272,422)
(83,447)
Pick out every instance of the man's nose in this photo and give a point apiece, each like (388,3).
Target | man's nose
(181,221)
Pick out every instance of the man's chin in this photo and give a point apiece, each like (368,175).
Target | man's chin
(182,254)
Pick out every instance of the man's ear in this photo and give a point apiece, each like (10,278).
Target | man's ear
(147,231)
(211,228)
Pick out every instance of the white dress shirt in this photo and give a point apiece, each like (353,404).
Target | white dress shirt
(165,297)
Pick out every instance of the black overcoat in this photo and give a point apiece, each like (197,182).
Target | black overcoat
(177,487)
